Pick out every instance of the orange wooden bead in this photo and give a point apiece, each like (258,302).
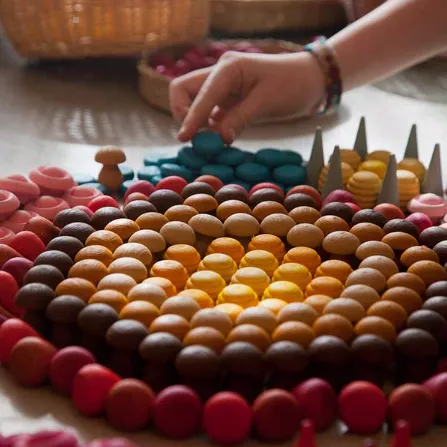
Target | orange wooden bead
(391,311)
(98,252)
(147,292)
(206,336)
(173,324)
(106,238)
(117,281)
(172,270)
(164,283)
(376,326)
(294,331)
(404,296)
(213,318)
(142,311)
(318,302)
(250,333)
(134,250)
(77,287)
(89,269)
(405,279)
(184,306)
(336,325)
(151,221)
(113,298)
(273,304)
(124,228)
(429,271)
(129,266)
(200,296)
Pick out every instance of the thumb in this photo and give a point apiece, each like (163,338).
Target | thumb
(240,116)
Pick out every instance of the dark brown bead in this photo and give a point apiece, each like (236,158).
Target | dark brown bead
(135,209)
(126,334)
(372,350)
(72,215)
(437,304)
(401,225)
(34,296)
(338,209)
(104,216)
(430,321)
(160,347)
(432,236)
(441,250)
(243,358)
(229,192)
(65,309)
(197,188)
(95,319)
(66,244)
(287,356)
(329,350)
(369,216)
(163,199)
(438,288)
(198,362)
(57,259)
(44,274)
(416,343)
(296,200)
(79,230)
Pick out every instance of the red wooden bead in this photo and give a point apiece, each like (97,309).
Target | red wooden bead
(65,365)
(173,182)
(59,438)
(317,401)
(143,186)
(414,404)
(27,244)
(29,361)
(84,208)
(17,267)
(135,196)
(227,418)
(102,202)
(42,228)
(307,434)
(6,253)
(91,387)
(112,442)
(306,189)
(177,412)
(11,332)
(8,290)
(276,415)
(402,435)
(437,385)
(129,405)
(265,185)
(214,182)
(363,407)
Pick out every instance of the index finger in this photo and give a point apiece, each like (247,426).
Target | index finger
(184,89)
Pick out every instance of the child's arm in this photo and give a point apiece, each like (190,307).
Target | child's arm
(398,34)
(243,87)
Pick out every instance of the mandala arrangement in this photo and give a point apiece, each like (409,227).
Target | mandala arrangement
(242,302)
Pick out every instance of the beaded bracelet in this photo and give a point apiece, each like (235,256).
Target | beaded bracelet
(333,83)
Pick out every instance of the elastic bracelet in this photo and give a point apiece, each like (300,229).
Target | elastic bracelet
(333,83)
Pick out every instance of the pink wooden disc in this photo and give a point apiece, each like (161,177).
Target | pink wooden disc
(52,180)
(81,195)
(21,187)
(8,204)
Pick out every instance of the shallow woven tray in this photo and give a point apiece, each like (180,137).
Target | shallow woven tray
(256,16)
(50,29)
(154,87)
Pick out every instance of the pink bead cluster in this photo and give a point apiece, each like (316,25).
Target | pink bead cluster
(48,191)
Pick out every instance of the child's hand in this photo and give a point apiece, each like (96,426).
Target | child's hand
(244,87)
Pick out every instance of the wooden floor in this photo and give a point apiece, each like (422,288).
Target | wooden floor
(59,114)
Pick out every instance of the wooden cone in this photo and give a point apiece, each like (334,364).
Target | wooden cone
(389,193)
(361,143)
(334,178)
(411,150)
(316,160)
(433,177)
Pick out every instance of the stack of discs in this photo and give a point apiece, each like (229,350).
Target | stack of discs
(351,157)
(381,155)
(239,294)
(408,185)
(415,166)
(376,166)
(365,187)
(347,173)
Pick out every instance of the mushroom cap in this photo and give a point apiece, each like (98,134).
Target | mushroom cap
(110,155)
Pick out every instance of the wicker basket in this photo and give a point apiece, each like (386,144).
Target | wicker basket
(154,87)
(49,29)
(260,16)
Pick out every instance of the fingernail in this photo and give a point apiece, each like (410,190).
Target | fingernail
(182,132)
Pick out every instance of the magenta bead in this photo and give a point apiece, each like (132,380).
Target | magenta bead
(102,202)
(8,204)
(6,235)
(421,220)
(21,187)
(173,182)
(17,267)
(86,210)
(52,180)
(143,186)
(339,195)
(47,206)
(265,185)
(8,291)
(18,220)
(27,244)
(432,205)
(81,195)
